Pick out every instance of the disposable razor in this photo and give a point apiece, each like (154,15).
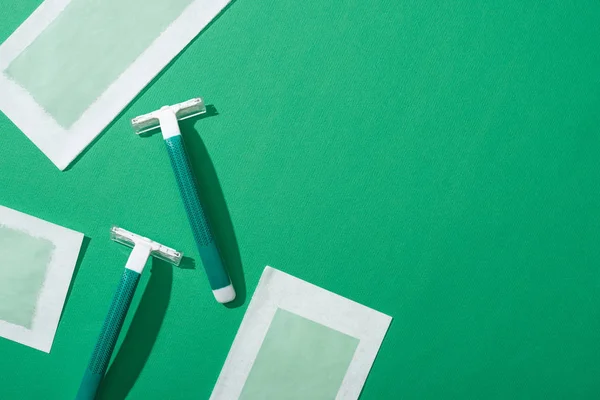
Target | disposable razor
(166,119)
(142,249)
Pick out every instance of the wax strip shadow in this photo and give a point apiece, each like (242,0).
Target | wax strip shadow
(141,334)
(147,87)
(213,200)
(84,246)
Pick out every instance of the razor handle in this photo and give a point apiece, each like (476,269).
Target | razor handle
(209,253)
(108,336)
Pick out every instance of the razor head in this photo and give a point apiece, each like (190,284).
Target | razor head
(187,109)
(130,239)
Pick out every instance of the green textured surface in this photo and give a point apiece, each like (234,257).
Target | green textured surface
(299,359)
(437,161)
(24,260)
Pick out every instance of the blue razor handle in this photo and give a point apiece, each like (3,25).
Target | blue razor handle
(167,119)
(108,336)
(209,253)
(143,248)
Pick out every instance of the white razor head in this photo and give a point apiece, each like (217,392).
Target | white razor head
(187,109)
(130,239)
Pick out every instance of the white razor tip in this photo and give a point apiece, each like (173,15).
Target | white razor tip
(225,295)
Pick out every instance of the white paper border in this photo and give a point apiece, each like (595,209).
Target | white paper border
(56,284)
(61,145)
(277,289)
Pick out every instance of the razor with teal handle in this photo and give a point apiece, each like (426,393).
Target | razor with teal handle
(167,120)
(105,345)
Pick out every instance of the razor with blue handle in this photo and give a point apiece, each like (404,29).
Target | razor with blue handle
(167,120)
(105,345)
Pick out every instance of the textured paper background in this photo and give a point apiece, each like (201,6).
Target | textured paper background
(437,161)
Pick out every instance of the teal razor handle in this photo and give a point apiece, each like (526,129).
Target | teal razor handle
(167,120)
(105,345)
(108,336)
(207,247)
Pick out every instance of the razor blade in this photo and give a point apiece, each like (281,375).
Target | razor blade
(158,250)
(187,109)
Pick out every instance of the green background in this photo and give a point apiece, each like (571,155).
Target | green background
(437,161)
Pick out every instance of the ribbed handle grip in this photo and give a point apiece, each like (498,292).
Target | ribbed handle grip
(108,336)
(211,259)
